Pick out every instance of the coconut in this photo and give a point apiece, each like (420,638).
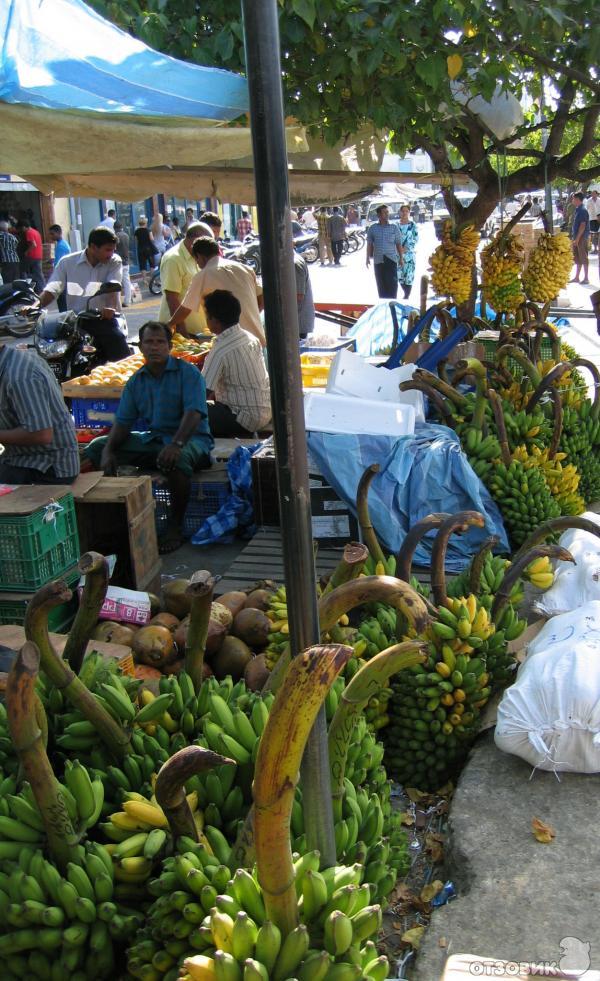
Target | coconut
(252,626)
(154,645)
(168,620)
(222,614)
(155,603)
(258,599)
(256,673)
(214,638)
(114,633)
(175,599)
(231,658)
(234,601)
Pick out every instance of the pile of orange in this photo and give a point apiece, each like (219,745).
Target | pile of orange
(118,372)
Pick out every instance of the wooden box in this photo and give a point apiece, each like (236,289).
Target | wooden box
(115,516)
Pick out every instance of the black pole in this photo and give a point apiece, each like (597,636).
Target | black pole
(263,66)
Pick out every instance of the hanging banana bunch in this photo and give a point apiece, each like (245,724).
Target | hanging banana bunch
(549,267)
(501,267)
(453,260)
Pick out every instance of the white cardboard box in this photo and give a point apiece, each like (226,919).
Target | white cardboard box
(353,376)
(325,413)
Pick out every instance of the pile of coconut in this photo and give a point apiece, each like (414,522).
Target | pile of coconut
(238,632)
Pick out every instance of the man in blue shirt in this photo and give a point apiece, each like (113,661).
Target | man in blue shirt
(61,248)
(384,247)
(166,401)
(580,234)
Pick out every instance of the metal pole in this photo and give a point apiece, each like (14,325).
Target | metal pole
(261,36)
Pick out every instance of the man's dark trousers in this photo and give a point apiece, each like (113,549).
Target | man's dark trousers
(386,277)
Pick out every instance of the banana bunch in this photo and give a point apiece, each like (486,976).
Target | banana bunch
(452,262)
(9,763)
(21,821)
(481,450)
(501,267)
(492,573)
(59,927)
(374,568)
(579,440)
(531,429)
(279,635)
(523,497)
(548,268)
(540,573)
(516,395)
(563,480)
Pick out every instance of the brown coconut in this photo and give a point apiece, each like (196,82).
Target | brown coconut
(168,620)
(155,603)
(234,601)
(175,599)
(114,633)
(256,672)
(252,626)
(258,599)
(154,645)
(231,658)
(216,632)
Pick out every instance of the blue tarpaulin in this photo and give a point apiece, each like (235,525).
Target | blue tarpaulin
(419,474)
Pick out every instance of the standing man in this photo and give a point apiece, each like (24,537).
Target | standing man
(169,395)
(337,234)
(32,254)
(177,270)
(580,233)
(190,218)
(243,226)
(217,273)
(109,220)
(384,247)
(304,297)
(61,248)
(593,209)
(324,239)
(36,428)
(9,257)
(122,251)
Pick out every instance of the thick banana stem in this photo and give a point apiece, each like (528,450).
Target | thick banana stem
(412,539)
(441,403)
(498,411)
(554,525)
(421,374)
(423,290)
(169,789)
(362,510)
(547,383)
(522,360)
(27,740)
(474,367)
(94,567)
(366,683)
(455,523)
(373,589)
(280,751)
(515,570)
(200,591)
(61,675)
(557,411)
(350,567)
(478,563)
(541,329)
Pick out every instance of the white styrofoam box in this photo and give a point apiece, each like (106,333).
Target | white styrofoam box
(326,413)
(354,376)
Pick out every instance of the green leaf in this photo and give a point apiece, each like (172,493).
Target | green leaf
(306,10)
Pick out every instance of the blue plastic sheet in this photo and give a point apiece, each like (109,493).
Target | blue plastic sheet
(237,513)
(374,330)
(419,474)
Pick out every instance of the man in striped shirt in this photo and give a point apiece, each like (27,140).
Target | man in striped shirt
(234,372)
(384,247)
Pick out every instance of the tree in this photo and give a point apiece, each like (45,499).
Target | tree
(395,66)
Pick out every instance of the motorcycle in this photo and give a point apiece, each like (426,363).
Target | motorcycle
(16,297)
(72,344)
(307,246)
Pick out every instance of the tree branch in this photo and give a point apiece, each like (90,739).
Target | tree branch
(559,68)
(585,145)
(557,129)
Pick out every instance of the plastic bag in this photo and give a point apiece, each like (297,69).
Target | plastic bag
(574,585)
(550,717)
(419,474)
(237,511)
(374,330)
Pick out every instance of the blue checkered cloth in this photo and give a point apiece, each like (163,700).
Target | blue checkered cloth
(237,513)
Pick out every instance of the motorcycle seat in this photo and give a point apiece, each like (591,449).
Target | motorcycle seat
(17,286)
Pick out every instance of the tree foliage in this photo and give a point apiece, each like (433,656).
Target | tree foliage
(347,63)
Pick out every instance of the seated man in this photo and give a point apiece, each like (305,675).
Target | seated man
(169,397)
(234,371)
(36,429)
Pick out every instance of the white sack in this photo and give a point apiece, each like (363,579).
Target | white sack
(574,585)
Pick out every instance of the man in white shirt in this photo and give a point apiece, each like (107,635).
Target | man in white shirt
(217,273)
(109,221)
(593,209)
(309,220)
(237,383)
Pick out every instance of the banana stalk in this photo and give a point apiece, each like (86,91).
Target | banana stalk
(280,751)
(365,684)
(557,412)
(501,427)
(442,387)
(455,523)
(516,568)
(423,291)
(27,740)
(61,675)
(555,525)
(350,567)
(94,567)
(373,589)
(412,539)
(556,374)
(522,360)
(200,591)
(362,510)
(541,329)
(478,563)
(169,789)
(474,367)
(441,403)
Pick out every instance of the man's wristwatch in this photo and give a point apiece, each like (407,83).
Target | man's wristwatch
(179,443)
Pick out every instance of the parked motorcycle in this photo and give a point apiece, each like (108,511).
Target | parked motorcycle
(72,344)
(16,297)
(307,245)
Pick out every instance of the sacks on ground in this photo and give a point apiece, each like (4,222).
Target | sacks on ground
(550,717)
(577,584)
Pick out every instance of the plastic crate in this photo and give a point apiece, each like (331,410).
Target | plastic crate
(206,498)
(12,608)
(490,347)
(94,413)
(38,547)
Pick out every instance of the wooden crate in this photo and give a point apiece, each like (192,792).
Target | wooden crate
(116,516)
(73,391)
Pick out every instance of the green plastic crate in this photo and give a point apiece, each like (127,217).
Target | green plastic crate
(13,607)
(38,547)
(491,346)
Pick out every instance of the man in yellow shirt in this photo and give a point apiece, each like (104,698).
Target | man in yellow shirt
(177,269)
